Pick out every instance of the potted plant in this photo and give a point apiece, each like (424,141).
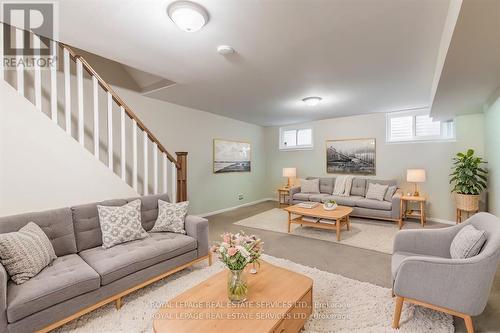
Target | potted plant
(236,251)
(468,179)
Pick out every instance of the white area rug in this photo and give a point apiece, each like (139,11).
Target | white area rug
(364,233)
(346,305)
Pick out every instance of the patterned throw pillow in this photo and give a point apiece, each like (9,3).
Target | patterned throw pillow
(309,185)
(390,193)
(467,242)
(121,224)
(171,217)
(376,191)
(26,252)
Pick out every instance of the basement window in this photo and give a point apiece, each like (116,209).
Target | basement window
(296,138)
(417,125)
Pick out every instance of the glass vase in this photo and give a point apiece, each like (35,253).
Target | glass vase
(237,287)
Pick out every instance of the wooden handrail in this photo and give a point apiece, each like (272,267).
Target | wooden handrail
(119,101)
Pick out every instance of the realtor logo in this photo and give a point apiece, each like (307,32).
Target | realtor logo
(28,28)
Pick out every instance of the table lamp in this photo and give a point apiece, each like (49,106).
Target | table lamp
(289,173)
(415,176)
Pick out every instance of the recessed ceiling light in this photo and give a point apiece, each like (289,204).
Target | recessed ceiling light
(312,101)
(187,15)
(225,49)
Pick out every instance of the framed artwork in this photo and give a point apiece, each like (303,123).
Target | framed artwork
(352,156)
(232,156)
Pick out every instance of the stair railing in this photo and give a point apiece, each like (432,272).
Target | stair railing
(176,186)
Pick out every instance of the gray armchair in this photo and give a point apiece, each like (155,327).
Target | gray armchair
(423,272)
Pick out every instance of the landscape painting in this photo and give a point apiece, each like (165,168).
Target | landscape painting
(355,156)
(232,156)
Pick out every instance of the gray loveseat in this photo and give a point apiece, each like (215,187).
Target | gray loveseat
(362,207)
(84,274)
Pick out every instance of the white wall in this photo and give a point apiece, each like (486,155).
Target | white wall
(41,167)
(492,121)
(184,129)
(392,159)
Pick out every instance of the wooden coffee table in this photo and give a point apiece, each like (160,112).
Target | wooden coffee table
(340,215)
(278,301)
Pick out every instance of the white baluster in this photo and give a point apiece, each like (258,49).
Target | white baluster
(67,91)
(110,131)
(79,85)
(19,59)
(53,83)
(174,183)
(134,154)
(38,73)
(155,168)
(165,173)
(145,180)
(1,53)
(95,89)
(123,152)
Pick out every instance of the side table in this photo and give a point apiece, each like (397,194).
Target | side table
(283,192)
(405,212)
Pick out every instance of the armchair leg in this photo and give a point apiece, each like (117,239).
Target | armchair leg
(397,311)
(468,324)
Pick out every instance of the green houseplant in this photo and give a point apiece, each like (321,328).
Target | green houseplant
(469,179)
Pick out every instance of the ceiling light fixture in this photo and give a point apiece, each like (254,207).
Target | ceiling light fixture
(312,101)
(187,15)
(225,49)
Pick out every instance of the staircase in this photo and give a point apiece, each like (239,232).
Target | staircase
(76,98)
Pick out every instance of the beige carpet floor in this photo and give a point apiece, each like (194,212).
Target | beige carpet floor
(364,233)
(341,305)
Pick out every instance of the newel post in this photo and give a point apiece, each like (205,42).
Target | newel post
(181,176)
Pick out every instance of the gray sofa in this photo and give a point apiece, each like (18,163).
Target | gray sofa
(423,272)
(84,273)
(362,207)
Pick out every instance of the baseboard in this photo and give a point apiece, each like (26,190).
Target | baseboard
(235,207)
(435,219)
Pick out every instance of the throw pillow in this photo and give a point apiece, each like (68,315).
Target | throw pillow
(309,186)
(390,193)
(467,242)
(376,191)
(171,217)
(121,224)
(26,252)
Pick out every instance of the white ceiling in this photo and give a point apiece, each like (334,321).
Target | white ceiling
(361,56)
(471,73)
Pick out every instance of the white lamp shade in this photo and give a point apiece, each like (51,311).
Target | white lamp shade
(415,175)
(289,172)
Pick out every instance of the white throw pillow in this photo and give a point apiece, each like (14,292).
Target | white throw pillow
(121,224)
(26,252)
(467,242)
(171,217)
(309,186)
(376,191)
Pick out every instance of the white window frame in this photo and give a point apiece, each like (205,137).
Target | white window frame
(414,138)
(296,128)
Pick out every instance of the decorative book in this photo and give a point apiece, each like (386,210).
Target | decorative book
(308,205)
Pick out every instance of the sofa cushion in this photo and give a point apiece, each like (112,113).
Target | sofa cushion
(358,187)
(318,197)
(171,217)
(376,191)
(326,185)
(124,259)
(388,182)
(343,201)
(67,277)
(149,208)
(467,242)
(309,185)
(302,196)
(26,252)
(398,257)
(390,192)
(87,227)
(374,204)
(57,224)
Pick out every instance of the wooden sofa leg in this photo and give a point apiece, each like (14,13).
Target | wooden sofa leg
(468,324)
(209,259)
(118,303)
(397,311)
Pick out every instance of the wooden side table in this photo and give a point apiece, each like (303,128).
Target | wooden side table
(283,192)
(407,213)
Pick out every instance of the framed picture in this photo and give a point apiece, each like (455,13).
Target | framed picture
(232,156)
(352,156)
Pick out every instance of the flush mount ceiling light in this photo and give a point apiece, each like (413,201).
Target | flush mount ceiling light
(225,49)
(187,15)
(312,101)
